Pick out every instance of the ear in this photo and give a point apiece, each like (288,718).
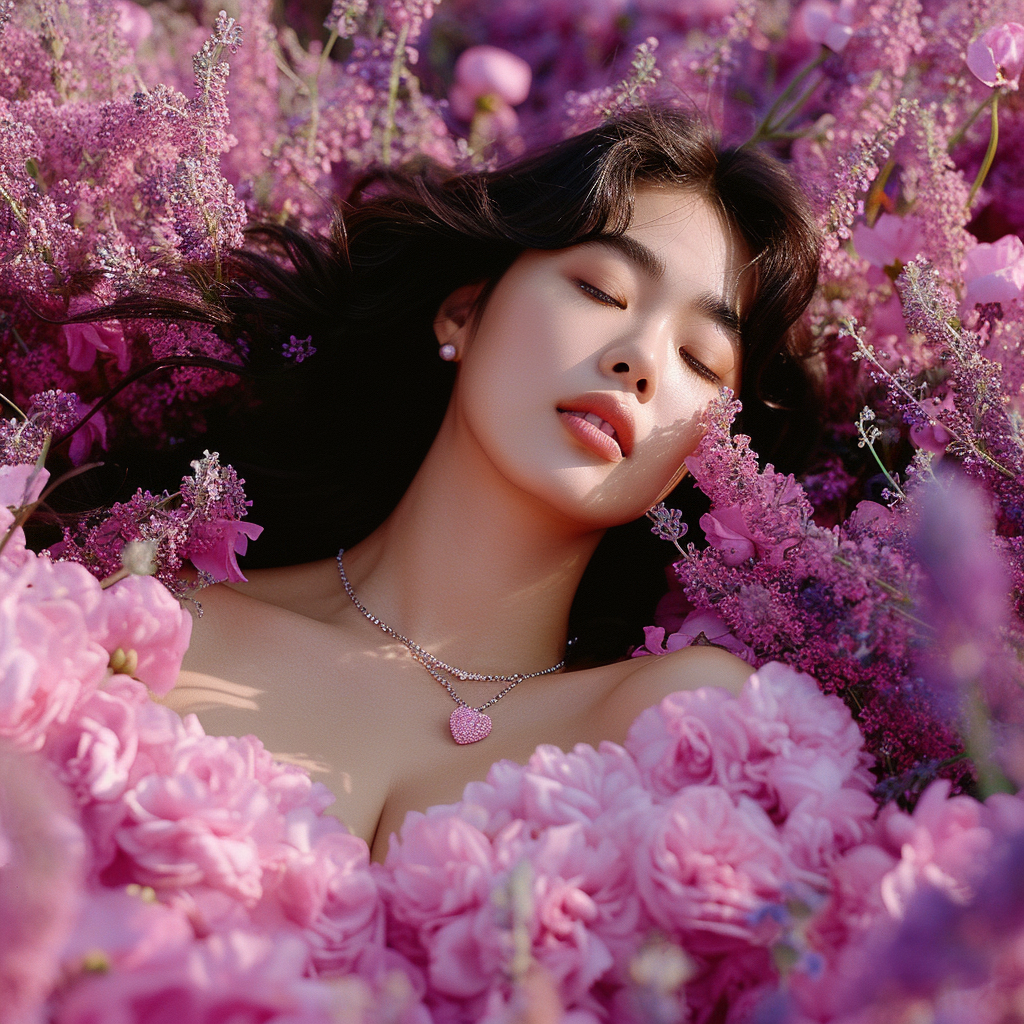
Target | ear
(452,323)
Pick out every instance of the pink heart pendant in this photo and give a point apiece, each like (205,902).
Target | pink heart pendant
(469,725)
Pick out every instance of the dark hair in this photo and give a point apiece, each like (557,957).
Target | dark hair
(328,452)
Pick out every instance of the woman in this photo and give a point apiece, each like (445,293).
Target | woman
(590,303)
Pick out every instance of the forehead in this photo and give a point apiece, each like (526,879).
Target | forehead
(693,240)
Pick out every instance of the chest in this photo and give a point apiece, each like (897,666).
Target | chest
(373,725)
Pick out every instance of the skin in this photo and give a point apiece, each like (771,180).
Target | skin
(481,559)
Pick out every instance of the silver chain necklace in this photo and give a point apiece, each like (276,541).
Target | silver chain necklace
(468,724)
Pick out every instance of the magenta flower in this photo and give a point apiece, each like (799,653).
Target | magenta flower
(214,547)
(92,433)
(829,24)
(996,57)
(891,240)
(134,22)
(727,530)
(994,272)
(703,627)
(83,341)
(488,78)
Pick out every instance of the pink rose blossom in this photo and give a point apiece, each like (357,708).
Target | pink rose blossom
(994,272)
(891,240)
(84,340)
(48,661)
(485,73)
(996,57)
(704,864)
(215,545)
(203,821)
(827,23)
(139,614)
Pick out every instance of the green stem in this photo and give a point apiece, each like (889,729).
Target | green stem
(764,129)
(314,92)
(396,78)
(16,207)
(958,136)
(990,153)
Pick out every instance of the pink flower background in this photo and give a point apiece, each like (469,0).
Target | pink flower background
(840,842)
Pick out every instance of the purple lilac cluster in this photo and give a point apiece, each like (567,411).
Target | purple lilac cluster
(201,522)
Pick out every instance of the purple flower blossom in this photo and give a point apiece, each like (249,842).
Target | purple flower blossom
(996,57)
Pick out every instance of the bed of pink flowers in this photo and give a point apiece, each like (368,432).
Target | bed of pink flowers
(840,843)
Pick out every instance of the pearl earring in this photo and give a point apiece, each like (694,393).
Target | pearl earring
(447,352)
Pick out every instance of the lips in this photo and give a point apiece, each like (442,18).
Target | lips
(600,423)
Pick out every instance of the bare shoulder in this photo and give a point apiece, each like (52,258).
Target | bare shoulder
(648,680)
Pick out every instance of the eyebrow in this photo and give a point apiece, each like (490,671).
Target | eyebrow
(709,304)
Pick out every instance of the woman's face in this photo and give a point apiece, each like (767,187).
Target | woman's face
(585,378)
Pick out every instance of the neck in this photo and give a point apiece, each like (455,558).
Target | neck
(474,570)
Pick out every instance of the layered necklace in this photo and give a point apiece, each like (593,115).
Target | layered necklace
(468,724)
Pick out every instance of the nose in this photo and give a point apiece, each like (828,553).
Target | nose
(634,362)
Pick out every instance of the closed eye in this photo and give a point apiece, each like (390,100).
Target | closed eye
(600,295)
(698,367)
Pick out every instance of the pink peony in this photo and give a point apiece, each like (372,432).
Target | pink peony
(214,547)
(41,860)
(84,340)
(125,930)
(143,618)
(704,864)
(994,272)
(437,888)
(891,240)
(996,57)
(48,661)
(584,911)
(239,976)
(203,821)
(324,886)
(95,750)
(829,24)
(488,79)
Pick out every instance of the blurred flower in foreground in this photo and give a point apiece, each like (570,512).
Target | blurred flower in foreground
(996,57)
(41,854)
(828,23)
(994,272)
(489,82)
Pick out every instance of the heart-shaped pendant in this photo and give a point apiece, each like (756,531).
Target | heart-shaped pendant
(469,725)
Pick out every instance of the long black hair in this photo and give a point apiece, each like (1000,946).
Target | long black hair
(332,443)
